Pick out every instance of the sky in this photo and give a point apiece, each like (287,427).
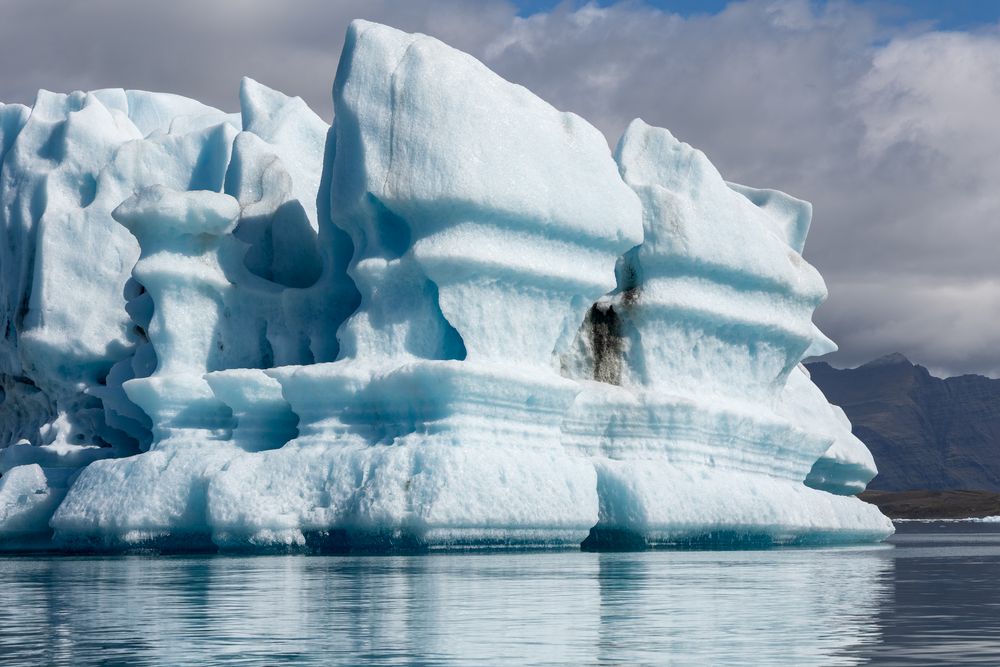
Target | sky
(885,115)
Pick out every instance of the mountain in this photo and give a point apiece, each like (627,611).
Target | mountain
(924,432)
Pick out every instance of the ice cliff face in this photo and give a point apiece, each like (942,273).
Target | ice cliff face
(454,319)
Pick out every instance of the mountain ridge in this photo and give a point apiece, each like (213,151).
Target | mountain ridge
(925,432)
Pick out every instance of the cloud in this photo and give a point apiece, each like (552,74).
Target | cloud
(889,129)
(201,48)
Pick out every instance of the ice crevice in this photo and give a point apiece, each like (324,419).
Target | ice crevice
(454,319)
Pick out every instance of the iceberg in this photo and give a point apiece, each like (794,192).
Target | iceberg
(452,319)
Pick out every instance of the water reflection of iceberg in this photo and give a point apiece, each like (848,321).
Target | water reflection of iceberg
(799,607)
(738,607)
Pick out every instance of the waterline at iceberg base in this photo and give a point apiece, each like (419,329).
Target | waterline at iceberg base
(454,319)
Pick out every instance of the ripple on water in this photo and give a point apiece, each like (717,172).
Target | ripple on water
(930,598)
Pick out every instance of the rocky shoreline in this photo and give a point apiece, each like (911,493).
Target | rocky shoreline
(922,504)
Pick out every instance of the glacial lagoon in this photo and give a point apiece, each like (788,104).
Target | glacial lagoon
(929,596)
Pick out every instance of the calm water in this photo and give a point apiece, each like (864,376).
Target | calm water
(931,597)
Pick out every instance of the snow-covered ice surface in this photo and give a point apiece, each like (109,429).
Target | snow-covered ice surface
(454,319)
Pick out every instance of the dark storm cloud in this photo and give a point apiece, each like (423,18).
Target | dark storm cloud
(891,131)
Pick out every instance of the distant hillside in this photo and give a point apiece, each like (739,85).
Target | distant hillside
(924,432)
